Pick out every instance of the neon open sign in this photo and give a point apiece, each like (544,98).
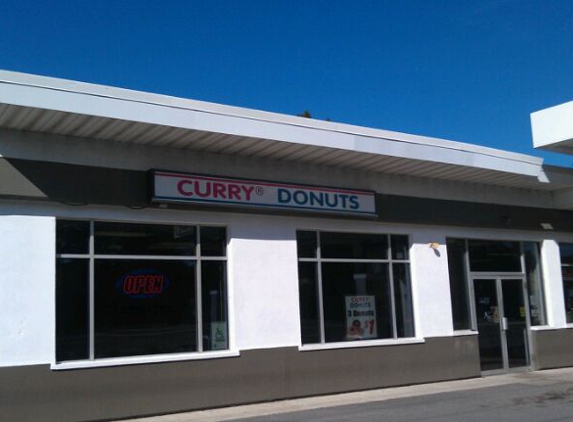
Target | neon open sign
(143,283)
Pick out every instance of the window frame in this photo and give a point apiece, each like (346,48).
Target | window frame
(197,258)
(563,279)
(318,260)
(469,275)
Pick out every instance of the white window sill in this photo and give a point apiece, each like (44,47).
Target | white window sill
(546,327)
(137,360)
(460,333)
(361,343)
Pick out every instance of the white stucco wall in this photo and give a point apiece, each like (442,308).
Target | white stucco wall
(262,264)
(554,299)
(27,271)
(262,267)
(431,284)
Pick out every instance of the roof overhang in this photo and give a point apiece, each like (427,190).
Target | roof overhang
(75,109)
(552,128)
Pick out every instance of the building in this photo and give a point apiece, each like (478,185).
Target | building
(159,255)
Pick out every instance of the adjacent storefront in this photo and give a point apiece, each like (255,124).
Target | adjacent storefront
(166,255)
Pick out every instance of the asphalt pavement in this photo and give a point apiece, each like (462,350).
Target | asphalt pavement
(540,396)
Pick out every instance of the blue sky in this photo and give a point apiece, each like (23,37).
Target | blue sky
(469,71)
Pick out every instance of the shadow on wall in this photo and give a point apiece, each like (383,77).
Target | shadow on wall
(73,184)
(426,211)
(78,185)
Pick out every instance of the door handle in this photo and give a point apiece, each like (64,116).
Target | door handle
(504,324)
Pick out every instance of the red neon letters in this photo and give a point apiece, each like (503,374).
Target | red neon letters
(146,284)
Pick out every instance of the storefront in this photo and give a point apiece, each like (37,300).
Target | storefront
(161,255)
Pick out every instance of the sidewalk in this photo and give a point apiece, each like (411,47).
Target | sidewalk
(540,378)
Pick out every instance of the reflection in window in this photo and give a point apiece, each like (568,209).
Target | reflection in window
(213,241)
(400,247)
(457,267)
(345,289)
(144,307)
(72,309)
(214,305)
(72,237)
(566,252)
(362,292)
(353,246)
(308,302)
(498,256)
(147,281)
(534,283)
(403,300)
(306,244)
(144,239)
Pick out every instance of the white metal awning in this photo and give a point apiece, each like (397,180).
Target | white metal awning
(55,106)
(552,128)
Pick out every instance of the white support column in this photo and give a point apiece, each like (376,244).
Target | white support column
(553,284)
(27,290)
(263,272)
(431,285)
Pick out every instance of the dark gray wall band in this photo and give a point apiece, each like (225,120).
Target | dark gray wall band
(75,184)
(35,393)
(470,214)
(552,348)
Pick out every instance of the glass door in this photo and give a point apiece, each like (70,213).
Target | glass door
(501,322)
(514,323)
(488,324)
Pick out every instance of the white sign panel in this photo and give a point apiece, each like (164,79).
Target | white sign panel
(219,336)
(360,317)
(181,187)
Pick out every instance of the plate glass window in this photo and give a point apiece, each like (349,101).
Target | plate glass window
(125,289)
(458,270)
(353,287)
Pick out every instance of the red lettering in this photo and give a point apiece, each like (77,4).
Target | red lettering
(207,189)
(219,190)
(141,282)
(128,284)
(158,285)
(147,284)
(150,285)
(359,299)
(248,191)
(235,192)
(198,189)
(181,188)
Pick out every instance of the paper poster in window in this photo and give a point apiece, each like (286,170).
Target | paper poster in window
(360,317)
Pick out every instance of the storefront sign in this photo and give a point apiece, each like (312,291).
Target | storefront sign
(219,336)
(142,283)
(360,317)
(180,187)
